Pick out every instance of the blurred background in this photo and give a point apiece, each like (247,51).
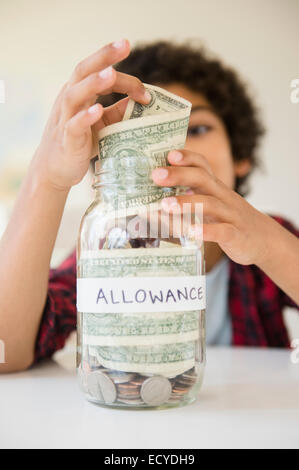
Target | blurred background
(41,42)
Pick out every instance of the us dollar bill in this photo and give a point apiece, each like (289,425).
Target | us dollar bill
(162,101)
(168,360)
(158,343)
(139,262)
(149,343)
(130,149)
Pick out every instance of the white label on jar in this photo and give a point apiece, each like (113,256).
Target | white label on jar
(141,294)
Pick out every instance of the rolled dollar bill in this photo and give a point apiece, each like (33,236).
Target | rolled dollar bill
(131,148)
(159,342)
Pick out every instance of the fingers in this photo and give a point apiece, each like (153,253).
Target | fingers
(129,85)
(213,208)
(192,170)
(84,92)
(196,177)
(103,58)
(221,233)
(80,124)
(106,81)
(185,157)
(112,114)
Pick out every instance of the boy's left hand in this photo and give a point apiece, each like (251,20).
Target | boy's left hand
(241,231)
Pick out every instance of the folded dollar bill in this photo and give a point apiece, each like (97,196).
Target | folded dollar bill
(131,148)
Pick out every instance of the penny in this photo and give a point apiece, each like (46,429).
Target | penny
(138,380)
(128,386)
(93,385)
(179,393)
(128,393)
(190,374)
(155,390)
(182,386)
(128,390)
(101,387)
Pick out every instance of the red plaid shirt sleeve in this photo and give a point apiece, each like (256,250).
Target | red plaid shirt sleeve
(285,299)
(59,315)
(256,304)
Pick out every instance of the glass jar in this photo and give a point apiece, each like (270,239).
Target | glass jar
(140,293)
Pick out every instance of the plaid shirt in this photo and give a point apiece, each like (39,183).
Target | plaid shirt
(255,305)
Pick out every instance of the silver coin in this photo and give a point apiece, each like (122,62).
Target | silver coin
(190,374)
(185,383)
(120,377)
(138,380)
(156,390)
(101,387)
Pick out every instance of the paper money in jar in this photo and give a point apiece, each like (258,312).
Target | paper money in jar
(140,296)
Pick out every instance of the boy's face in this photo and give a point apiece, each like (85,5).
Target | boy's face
(207,136)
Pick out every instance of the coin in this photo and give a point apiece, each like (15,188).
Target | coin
(190,374)
(101,387)
(119,377)
(155,390)
(93,385)
(128,390)
(185,382)
(180,391)
(128,386)
(138,381)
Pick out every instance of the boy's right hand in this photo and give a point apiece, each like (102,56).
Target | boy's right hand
(69,140)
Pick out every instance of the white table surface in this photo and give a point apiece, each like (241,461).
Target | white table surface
(249,399)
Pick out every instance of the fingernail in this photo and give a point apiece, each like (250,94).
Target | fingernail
(147,96)
(106,73)
(170,204)
(176,156)
(93,109)
(160,173)
(119,44)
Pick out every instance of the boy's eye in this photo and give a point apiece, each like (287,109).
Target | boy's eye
(198,130)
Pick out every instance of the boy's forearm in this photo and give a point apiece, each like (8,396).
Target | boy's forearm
(281,258)
(25,252)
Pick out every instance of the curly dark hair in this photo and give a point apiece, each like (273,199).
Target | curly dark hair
(165,62)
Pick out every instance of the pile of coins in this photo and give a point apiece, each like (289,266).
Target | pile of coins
(133,389)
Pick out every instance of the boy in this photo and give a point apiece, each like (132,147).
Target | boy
(251,258)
